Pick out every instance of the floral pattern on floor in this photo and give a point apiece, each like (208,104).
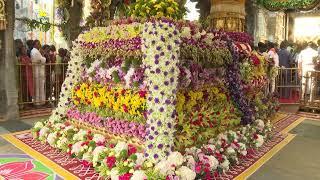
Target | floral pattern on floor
(22,166)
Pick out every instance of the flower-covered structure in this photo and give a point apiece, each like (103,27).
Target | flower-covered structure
(138,91)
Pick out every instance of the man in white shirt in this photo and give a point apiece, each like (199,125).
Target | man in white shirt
(305,63)
(38,62)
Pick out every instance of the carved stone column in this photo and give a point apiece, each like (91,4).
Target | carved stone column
(8,89)
(228,15)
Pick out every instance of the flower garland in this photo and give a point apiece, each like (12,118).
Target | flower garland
(161,55)
(235,85)
(75,67)
(120,160)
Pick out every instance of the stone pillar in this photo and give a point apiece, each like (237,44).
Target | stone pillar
(228,15)
(8,89)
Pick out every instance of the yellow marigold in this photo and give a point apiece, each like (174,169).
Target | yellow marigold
(170,10)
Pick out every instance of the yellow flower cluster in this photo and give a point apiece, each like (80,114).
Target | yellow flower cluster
(156,8)
(101,34)
(187,100)
(117,99)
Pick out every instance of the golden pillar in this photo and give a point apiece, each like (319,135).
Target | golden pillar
(228,15)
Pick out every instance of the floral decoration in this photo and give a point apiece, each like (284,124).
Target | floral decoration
(156,8)
(120,160)
(161,54)
(115,99)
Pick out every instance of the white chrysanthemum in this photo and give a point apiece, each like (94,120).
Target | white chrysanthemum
(260,124)
(87,156)
(140,159)
(164,167)
(96,154)
(185,173)
(76,148)
(114,174)
(213,162)
(58,126)
(139,175)
(120,146)
(175,158)
(43,132)
(80,135)
(259,141)
(186,32)
(242,149)
(210,146)
(190,161)
(62,142)
(68,128)
(230,151)
(191,151)
(38,125)
(98,138)
(225,165)
(51,139)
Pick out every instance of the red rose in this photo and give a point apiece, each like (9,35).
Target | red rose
(125,108)
(126,176)
(131,149)
(198,169)
(111,161)
(255,60)
(123,92)
(142,94)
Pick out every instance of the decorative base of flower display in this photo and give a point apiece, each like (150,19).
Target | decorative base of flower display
(222,166)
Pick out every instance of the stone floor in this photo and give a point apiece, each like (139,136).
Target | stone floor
(14,126)
(297,160)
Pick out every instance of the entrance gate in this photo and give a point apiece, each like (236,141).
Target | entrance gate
(293,87)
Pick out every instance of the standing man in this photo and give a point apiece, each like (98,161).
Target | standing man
(305,63)
(38,62)
(285,61)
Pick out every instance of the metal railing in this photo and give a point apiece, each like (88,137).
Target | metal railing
(288,85)
(39,84)
(311,90)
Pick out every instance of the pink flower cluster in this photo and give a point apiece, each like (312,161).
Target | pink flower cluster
(114,126)
(121,127)
(88,117)
(115,44)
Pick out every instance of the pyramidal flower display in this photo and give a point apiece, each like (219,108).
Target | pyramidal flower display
(160,98)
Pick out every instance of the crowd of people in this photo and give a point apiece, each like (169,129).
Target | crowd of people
(292,55)
(41,72)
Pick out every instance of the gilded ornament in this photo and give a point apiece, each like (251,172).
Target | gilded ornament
(3,21)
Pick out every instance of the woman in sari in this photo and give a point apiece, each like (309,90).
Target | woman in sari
(27,87)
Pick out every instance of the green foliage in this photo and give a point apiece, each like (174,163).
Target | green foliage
(286,4)
(156,8)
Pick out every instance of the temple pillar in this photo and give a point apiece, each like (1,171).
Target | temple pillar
(8,89)
(227,15)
